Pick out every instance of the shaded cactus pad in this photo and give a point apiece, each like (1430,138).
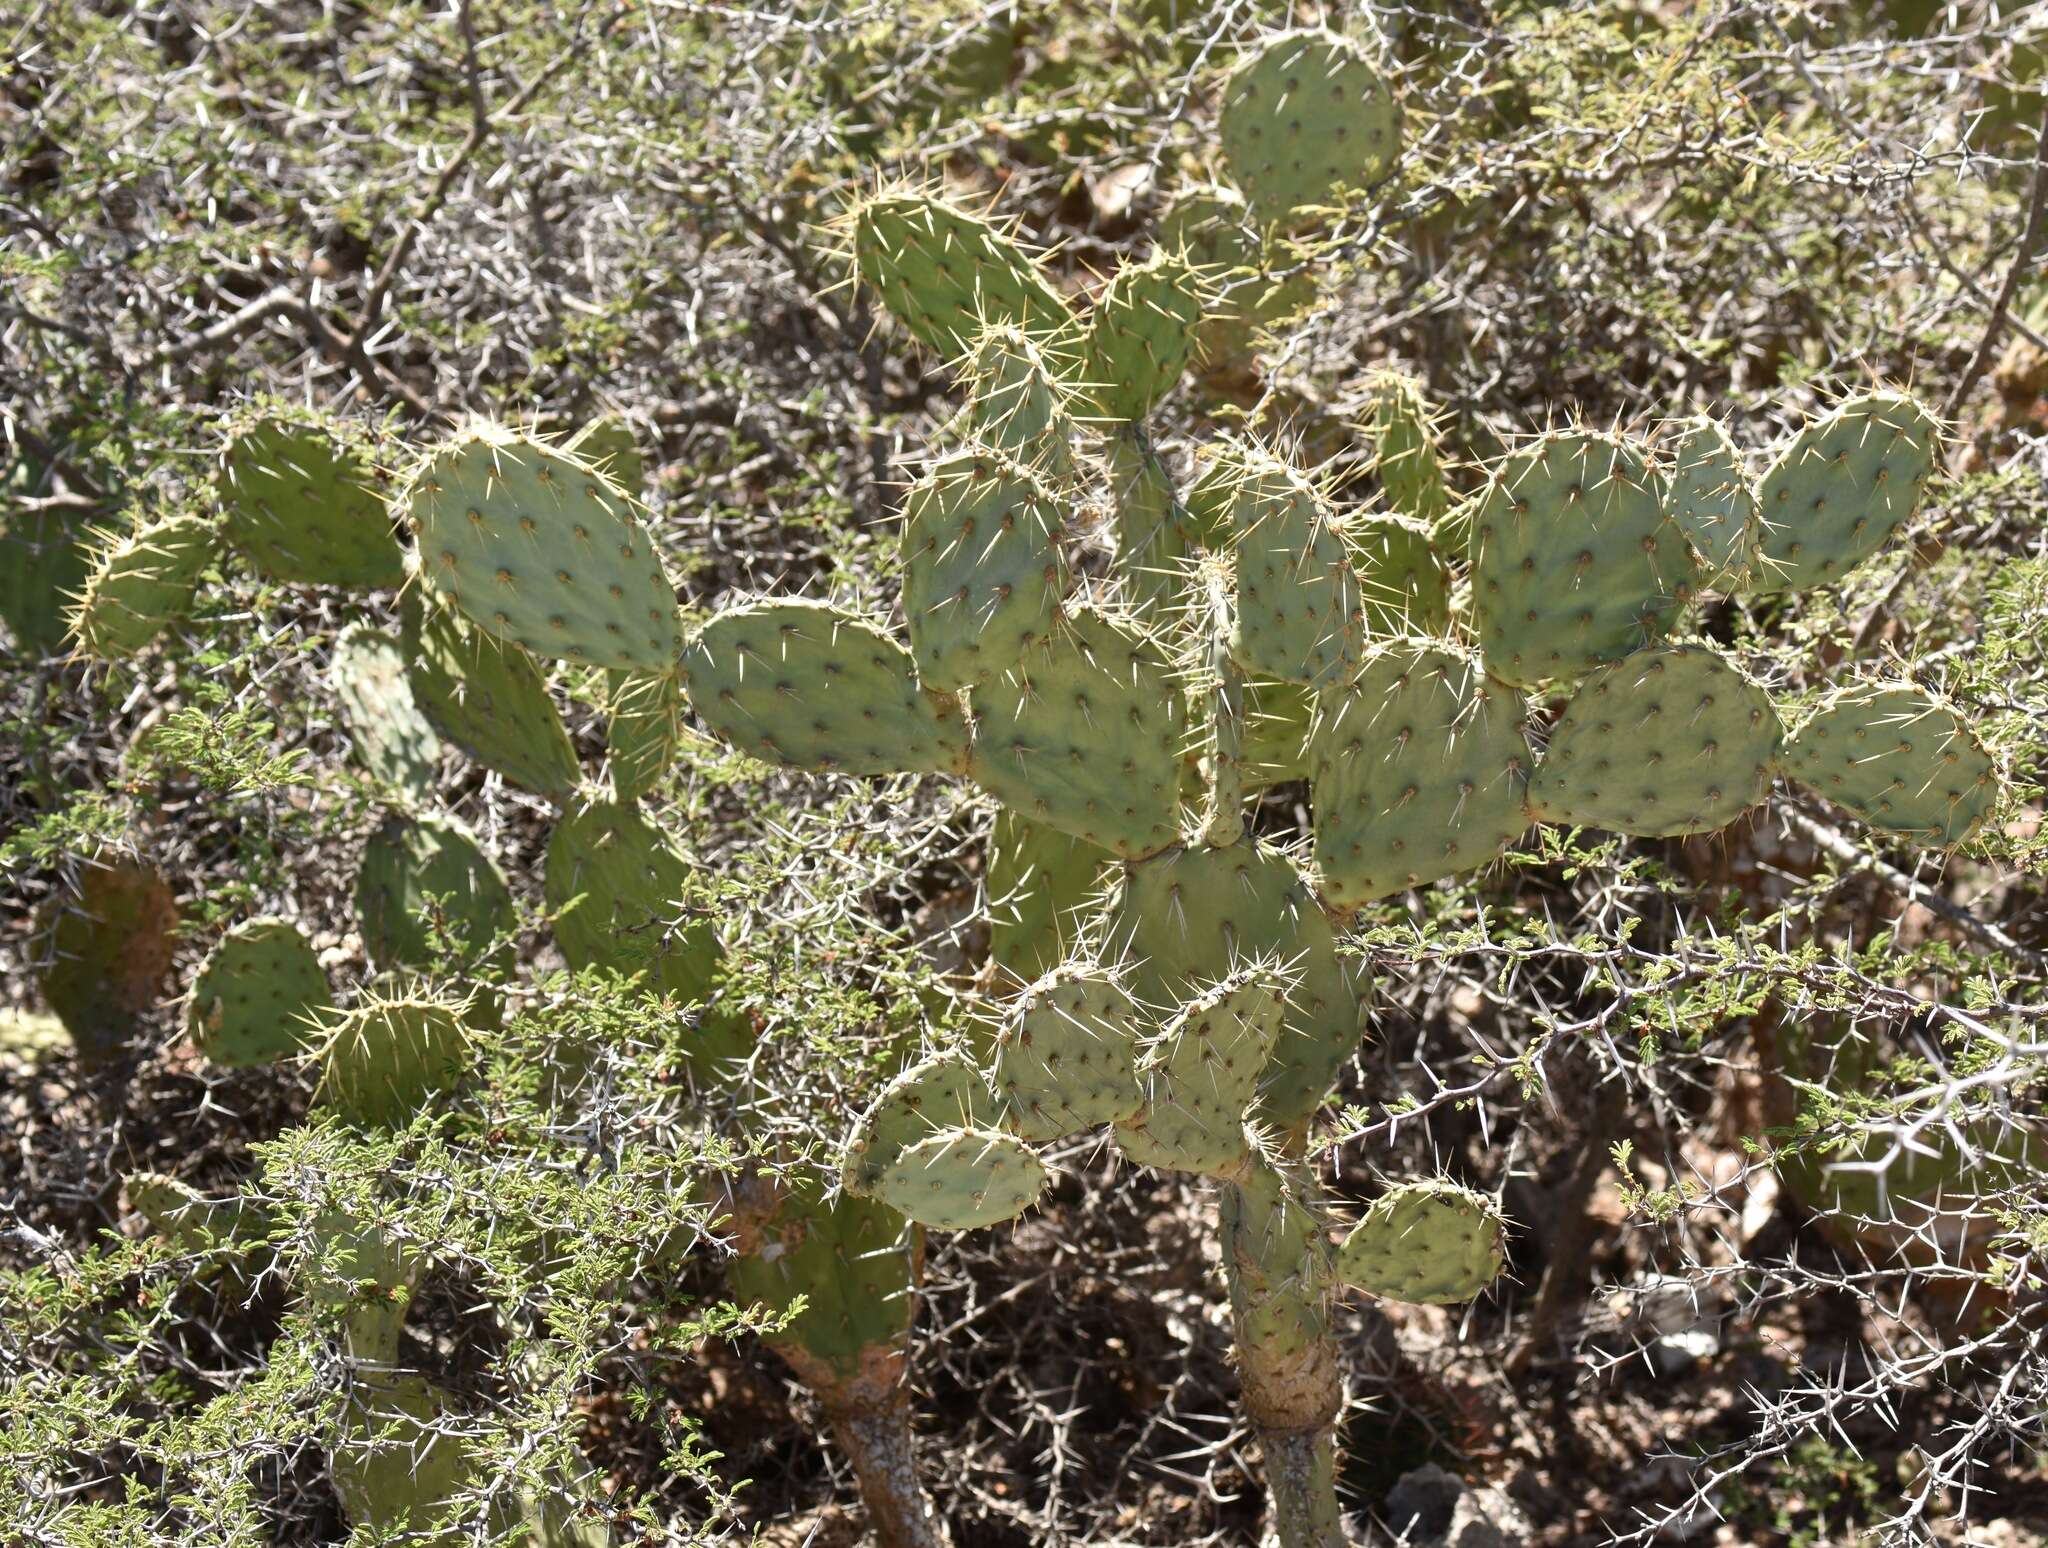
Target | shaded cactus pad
(391,739)
(303,501)
(841,1256)
(1843,487)
(1402,579)
(1429,1242)
(256,994)
(110,946)
(489,699)
(1900,758)
(424,878)
(1306,116)
(1040,885)
(1711,498)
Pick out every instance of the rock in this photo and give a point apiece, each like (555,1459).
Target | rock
(1430,1508)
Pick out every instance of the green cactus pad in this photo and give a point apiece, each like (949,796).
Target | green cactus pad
(489,699)
(607,444)
(1429,1242)
(1152,536)
(1041,884)
(1845,486)
(1419,768)
(1298,614)
(303,500)
(1141,333)
(1276,1261)
(389,1058)
(1066,1056)
(844,1257)
(387,733)
(110,945)
(140,585)
(983,572)
(398,1459)
(1671,740)
(810,687)
(45,557)
(1407,455)
(1900,758)
(1576,559)
(1712,499)
(540,550)
(190,1221)
(424,877)
(638,913)
(1199,1073)
(959,1179)
(645,730)
(256,994)
(1404,581)
(942,1094)
(1304,119)
(1084,735)
(1183,916)
(945,274)
(1255,287)
(1017,404)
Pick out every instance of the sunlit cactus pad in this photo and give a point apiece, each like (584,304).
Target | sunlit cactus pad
(942,1094)
(141,584)
(1304,118)
(1199,1072)
(1066,1057)
(959,1178)
(256,994)
(1429,1242)
(944,273)
(383,1061)
(1299,617)
(1141,333)
(1847,484)
(1900,758)
(541,550)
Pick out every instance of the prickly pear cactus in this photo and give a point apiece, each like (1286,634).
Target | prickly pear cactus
(192,1222)
(1017,404)
(1153,535)
(1900,758)
(425,880)
(1255,287)
(1199,1073)
(944,274)
(1305,119)
(1141,334)
(389,736)
(489,699)
(644,731)
(45,557)
(1402,578)
(540,550)
(1040,884)
(1674,739)
(301,498)
(1845,486)
(1407,453)
(808,686)
(1066,1058)
(957,1179)
(257,995)
(1712,499)
(385,1060)
(398,1463)
(1299,617)
(1429,1242)
(840,1255)
(941,1095)
(140,585)
(607,444)
(110,944)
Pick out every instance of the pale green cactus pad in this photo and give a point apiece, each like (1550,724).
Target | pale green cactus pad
(1141,333)
(1419,768)
(398,1461)
(1402,579)
(940,1095)
(1845,486)
(944,274)
(1900,758)
(1672,740)
(1017,404)
(1041,884)
(1182,916)
(1277,1263)
(1276,726)
(644,730)
(389,736)
(387,1059)
(303,500)
(807,686)
(140,585)
(542,551)
(841,1256)
(1576,559)
(425,879)
(1084,735)
(1299,617)
(607,444)
(1199,1073)
(1407,454)
(983,570)
(256,994)
(1152,535)
(959,1179)
(1712,499)
(1429,1242)
(1305,119)
(192,1222)
(489,699)
(1066,1057)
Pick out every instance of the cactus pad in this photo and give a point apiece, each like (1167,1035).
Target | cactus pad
(1199,1073)
(944,274)
(1066,1056)
(304,503)
(1212,229)
(607,444)
(389,1058)
(942,1094)
(423,879)
(1141,333)
(190,1221)
(489,699)
(256,994)
(110,946)
(1298,616)
(1182,916)
(1152,534)
(1305,118)
(540,550)
(1842,489)
(1712,500)
(1900,758)
(1576,559)
(1407,456)
(1040,882)
(958,1179)
(1668,741)
(1419,768)
(1017,404)
(45,557)
(983,573)
(1403,580)
(841,1256)
(388,734)
(399,1460)
(810,687)
(645,730)
(1430,1243)
(140,585)
(1276,1261)
(1084,735)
